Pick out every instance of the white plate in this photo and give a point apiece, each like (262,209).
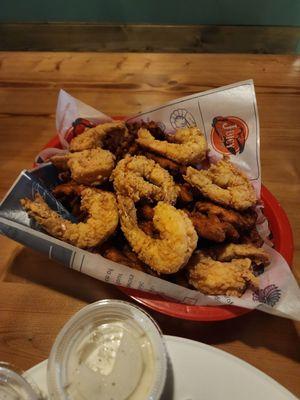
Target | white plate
(202,372)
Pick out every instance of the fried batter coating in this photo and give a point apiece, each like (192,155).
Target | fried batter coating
(174,168)
(147,212)
(187,146)
(186,194)
(93,138)
(252,237)
(224,184)
(233,251)
(138,177)
(68,194)
(215,223)
(245,220)
(220,278)
(102,220)
(211,228)
(148,228)
(67,189)
(127,257)
(116,255)
(88,167)
(177,241)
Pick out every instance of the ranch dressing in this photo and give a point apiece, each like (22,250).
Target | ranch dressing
(116,353)
(113,362)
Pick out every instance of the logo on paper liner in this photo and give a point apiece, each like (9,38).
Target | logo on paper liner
(78,127)
(182,118)
(229,135)
(270,295)
(224,300)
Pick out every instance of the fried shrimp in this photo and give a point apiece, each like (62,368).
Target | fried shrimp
(186,146)
(233,251)
(211,228)
(215,223)
(137,177)
(174,168)
(101,222)
(245,220)
(67,189)
(172,250)
(94,137)
(220,278)
(224,184)
(87,167)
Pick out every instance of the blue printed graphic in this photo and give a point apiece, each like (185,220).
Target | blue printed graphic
(181,118)
(270,295)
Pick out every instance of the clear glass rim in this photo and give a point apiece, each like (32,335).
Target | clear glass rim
(86,315)
(8,373)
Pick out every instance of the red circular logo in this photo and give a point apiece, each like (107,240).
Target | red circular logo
(229,135)
(78,126)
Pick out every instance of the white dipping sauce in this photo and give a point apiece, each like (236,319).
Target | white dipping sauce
(114,362)
(109,350)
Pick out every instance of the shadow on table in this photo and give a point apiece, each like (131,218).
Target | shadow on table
(30,266)
(256,329)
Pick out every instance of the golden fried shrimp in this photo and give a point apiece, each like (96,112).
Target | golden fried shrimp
(211,228)
(137,177)
(93,138)
(186,146)
(178,239)
(233,251)
(88,167)
(101,222)
(171,166)
(224,184)
(220,278)
(67,189)
(239,220)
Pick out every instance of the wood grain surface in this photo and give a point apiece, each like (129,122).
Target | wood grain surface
(37,296)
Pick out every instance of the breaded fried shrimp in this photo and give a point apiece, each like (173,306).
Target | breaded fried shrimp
(172,250)
(187,146)
(224,184)
(138,177)
(87,167)
(101,223)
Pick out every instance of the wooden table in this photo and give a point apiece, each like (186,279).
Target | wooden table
(37,296)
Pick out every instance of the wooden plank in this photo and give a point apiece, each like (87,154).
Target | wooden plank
(58,36)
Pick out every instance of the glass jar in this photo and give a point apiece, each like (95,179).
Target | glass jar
(13,386)
(109,350)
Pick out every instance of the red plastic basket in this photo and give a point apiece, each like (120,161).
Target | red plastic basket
(283,243)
